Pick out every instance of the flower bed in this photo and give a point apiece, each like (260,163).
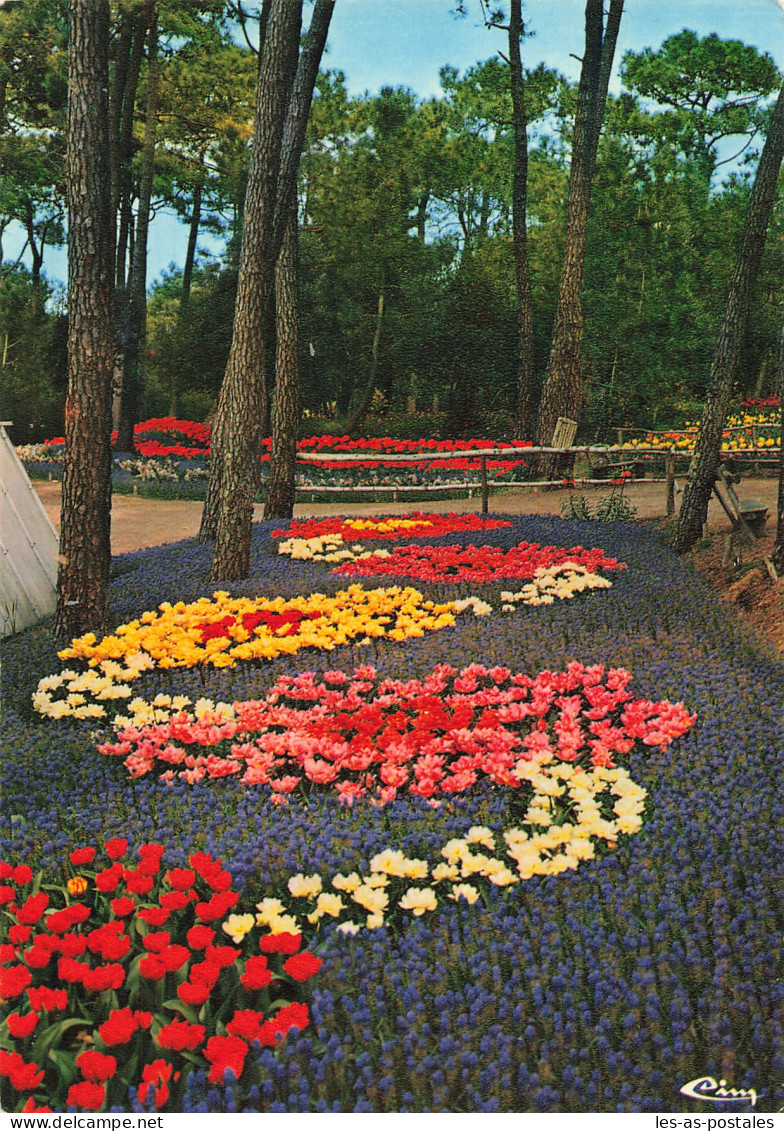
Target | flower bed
(221,631)
(172,450)
(388,528)
(481,564)
(596,807)
(360,735)
(133,956)
(600,985)
(760,429)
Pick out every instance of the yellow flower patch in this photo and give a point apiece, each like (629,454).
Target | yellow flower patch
(571,811)
(221,631)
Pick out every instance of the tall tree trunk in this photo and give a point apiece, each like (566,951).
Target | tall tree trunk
(525,320)
(563,386)
(778,545)
(137,285)
(287,406)
(122,55)
(37,254)
(726,360)
(123,144)
(83,578)
(193,236)
(283,106)
(240,416)
(357,419)
(298,113)
(122,104)
(187,276)
(421,215)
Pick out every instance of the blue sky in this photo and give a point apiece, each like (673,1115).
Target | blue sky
(409,49)
(406,42)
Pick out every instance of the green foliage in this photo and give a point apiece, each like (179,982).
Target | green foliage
(33,363)
(412,198)
(614,507)
(663,237)
(711,89)
(187,349)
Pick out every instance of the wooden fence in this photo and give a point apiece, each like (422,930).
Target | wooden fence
(630,453)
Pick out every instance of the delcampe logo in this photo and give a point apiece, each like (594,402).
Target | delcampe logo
(716,1091)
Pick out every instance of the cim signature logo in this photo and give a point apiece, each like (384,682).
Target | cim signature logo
(716,1091)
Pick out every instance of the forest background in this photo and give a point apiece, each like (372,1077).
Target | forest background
(407,284)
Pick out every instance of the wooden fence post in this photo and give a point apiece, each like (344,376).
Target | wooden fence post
(483,474)
(670,474)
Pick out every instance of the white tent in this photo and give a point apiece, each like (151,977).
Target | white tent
(28,547)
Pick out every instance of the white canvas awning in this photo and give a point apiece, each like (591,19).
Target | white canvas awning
(28,547)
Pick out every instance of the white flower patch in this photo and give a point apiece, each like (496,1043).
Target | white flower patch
(479,607)
(554,583)
(326,548)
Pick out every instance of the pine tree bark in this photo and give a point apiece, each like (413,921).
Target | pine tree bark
(241,413)
(283,104)
(298,114)
(562,393)
(287,405)
(136,317)
(83,578)
(726,359)
(525,321)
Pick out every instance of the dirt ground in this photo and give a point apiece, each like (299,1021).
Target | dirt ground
(740,575)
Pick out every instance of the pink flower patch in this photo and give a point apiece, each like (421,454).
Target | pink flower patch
(366,737)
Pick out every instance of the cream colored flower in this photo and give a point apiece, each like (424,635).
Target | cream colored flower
(455,850)
(480,834)
(346,883)
(376,880)
(268,910)
(393,862)
(390,860)
(445,872)
(284,924)
(237,926)
(329,904)
(419,900)
(538,815)
(373,899)
(464,891)
(304,887)
(348,928)
(502,877)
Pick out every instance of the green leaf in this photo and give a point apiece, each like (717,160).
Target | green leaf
(53,1035)
(187,1011)
(65,1065)
(193,1058)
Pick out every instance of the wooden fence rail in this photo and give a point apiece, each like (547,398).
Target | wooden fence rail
(483,454)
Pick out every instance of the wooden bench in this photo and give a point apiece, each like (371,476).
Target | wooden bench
(750,515)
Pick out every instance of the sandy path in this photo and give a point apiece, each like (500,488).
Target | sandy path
(139,522)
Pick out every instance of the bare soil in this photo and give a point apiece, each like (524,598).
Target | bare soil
(746,584)
(739,575)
